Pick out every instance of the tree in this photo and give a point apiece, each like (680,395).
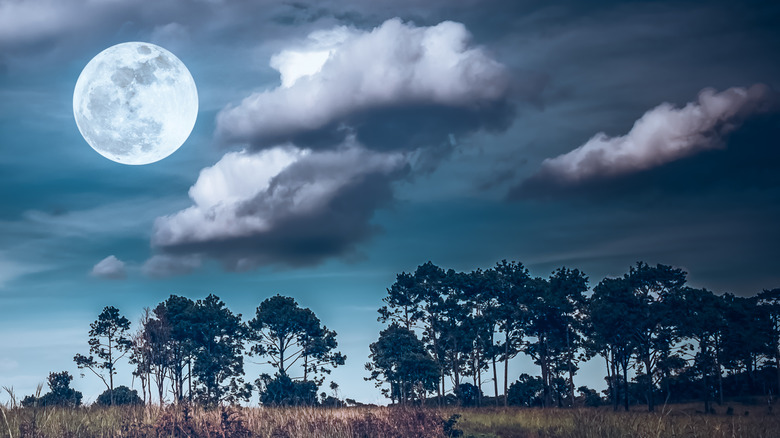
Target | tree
(217,345)
(769,300)
(700,318)
(108,340)
(527,391)
(171,335)
(554,313)
(60,393)
(283,391)
(287,333)
(141,356)
(416,301)
(121,396)
(512,289)
(609,329)
(399,358)
(652,325)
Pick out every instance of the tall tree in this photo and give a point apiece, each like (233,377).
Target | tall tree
(609,328)
(769,301)
(701,319)
(108,339)
(399,358)
(513,288)
(218,341)
(554,314)
(478,292)
(287,333)
(172,334)
(140,356)
(652,326)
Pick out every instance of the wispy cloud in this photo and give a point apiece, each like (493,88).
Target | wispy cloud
(661,135)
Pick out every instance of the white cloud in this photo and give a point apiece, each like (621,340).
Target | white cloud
(110,267)
(341,73)
(250,207)
(661,135)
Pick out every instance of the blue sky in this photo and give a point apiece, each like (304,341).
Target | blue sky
(420,134)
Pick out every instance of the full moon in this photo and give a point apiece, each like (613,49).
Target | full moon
(135,103)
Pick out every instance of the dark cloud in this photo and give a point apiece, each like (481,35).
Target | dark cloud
(282,206)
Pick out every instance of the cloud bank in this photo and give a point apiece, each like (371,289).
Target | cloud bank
(396,87)
(662,135)
(283,205)
(110,268)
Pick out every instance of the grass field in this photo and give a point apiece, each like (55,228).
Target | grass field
(380,422)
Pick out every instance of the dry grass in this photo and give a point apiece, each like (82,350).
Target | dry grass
(93,422)
(379,422)
(679,421)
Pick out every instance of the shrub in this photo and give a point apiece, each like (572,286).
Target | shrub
(122,396)
(283,391)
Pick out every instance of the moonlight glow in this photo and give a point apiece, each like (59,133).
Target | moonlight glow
(135,103)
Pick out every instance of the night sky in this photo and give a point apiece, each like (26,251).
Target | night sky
(340,143)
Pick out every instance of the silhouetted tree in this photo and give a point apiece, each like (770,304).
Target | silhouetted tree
(609,328)
(511,314)
(108,339)
(60,393)
(769,300)
(401,359)
(172,335)
(287,333)
(652,322)
(218,363)
(121,396)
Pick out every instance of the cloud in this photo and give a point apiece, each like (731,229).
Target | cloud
(161,265)
(662,135)
(284,205)
(398,86)
(11,269)
(110,268)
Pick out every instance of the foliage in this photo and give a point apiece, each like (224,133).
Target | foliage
(402,359)
(109,342)
(527,391)
(122,396)
(287,334)
(283,391)
(60,393)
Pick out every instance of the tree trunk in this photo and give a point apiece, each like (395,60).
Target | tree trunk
(625,385)
(479,387)
(650,386)
(506,367)
(495,379)
(111,370)
(571,369)
(546,380)
(705,372)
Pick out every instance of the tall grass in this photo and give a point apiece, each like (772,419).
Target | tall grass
(374,422)
(593,423)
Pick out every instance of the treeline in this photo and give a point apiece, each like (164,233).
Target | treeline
(660,340)
(451,336)
(193,351)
